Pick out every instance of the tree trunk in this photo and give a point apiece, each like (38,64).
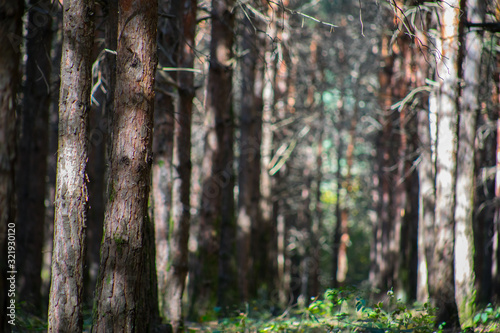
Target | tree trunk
(337,233)
(250,257)
(163,145)
(220,98)
(181,215)
(66,291)
(441,281)
(33,154)
(465,186)
(217,225)
(125,299)
(426,173)
(10,38)
(269,224)
(381,274)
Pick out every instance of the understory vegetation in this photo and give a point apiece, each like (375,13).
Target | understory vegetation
(341,310)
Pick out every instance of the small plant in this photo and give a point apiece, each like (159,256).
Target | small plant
(339,310)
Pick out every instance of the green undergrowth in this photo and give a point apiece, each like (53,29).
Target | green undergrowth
(345,310)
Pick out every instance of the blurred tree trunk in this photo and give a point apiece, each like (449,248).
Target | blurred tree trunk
(100,143)
(52,154)
(251,263)
(66,291)
(10,38)
(268,222)
(33,148)
(163,143)
(381,272)
(337,233)
(221,71)
(400,82)
(441,281)
(181,215)
(317,79)
(465,292)
(96,171)
(217,225)
(125,298)
(425,167)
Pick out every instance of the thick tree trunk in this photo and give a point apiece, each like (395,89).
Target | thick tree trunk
(66,291)
(10,38)
(465,292)
(125,300)
(181,215)
(441,281)
(33,154)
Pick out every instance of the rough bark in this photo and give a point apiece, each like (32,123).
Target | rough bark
(125,299)
(181,215)
(10,37)
(465,186)
(66,291)
(441,281)
(33,146)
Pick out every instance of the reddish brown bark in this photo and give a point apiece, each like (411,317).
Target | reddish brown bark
(66,291)
(125,299)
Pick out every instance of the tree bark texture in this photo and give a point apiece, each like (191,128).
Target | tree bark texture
(33,147)
(441,281)
(124,300)
(66,291)
(181,215)
(11,13)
